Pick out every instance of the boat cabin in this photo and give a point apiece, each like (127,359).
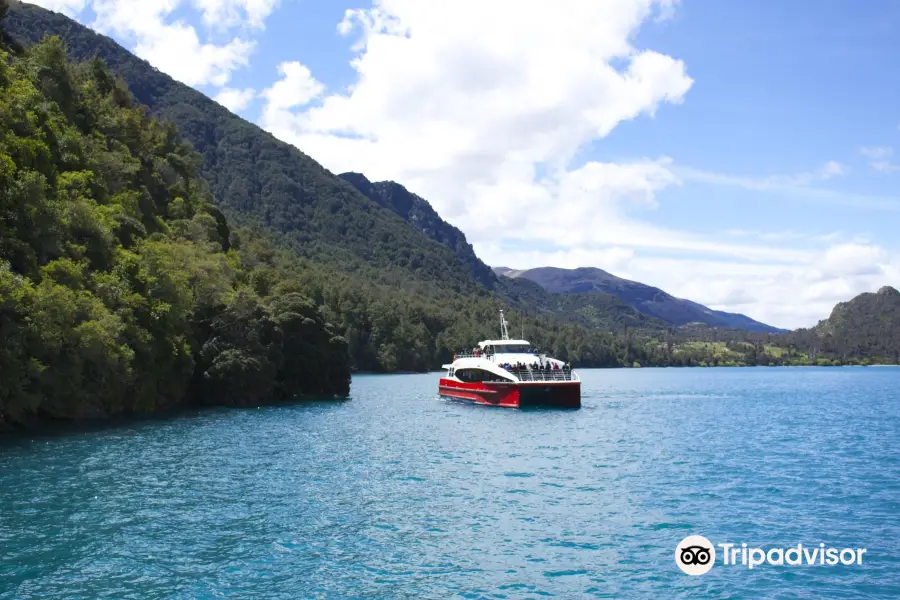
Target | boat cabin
(491,347)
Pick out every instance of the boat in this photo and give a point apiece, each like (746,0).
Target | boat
(512,374)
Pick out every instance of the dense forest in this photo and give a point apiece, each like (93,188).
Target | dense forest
(137,274)
(122,287)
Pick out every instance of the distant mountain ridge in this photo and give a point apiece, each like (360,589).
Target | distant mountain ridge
(644,298)
(603,311)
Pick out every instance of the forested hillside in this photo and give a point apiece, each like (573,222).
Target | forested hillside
(418,212)
(864,330)
(259,180)
(403,288)
(122,287)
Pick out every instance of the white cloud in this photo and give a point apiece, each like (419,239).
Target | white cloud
(297,87)
(588,208)
(797,182)
(876,152)
(775,236)
(880,158)
(209,64)
(66,7)
(796,186)
(465,102)
(884,166)
(454,96)
(235,100)
(173,47)
(229,13)
(832,169)
(851,260)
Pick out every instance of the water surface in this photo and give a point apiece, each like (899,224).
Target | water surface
(397,494)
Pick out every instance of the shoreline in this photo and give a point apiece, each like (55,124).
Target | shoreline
(41,426)
(38,427)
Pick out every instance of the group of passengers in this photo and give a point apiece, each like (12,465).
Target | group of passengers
(541,367)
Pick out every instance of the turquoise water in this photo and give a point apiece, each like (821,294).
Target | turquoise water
(397,494)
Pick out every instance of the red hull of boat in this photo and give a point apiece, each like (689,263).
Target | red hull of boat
(515,395)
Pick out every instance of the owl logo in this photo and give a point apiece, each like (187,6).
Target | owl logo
(695,555)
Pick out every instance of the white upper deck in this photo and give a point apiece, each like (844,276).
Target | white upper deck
(504,343)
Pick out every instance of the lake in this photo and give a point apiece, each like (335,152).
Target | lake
(398,494)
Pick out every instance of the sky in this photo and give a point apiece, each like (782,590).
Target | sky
(742,154)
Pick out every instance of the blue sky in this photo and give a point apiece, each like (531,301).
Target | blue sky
(781,88)
(743,154)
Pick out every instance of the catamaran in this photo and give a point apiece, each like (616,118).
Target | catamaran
(512,374)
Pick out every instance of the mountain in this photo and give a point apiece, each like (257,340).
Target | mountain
(418,212)
(257,179)
(866,326)
(598,310)
(644,298)
(867,311)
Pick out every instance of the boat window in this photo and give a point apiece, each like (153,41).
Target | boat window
(475,375)
(514,349)
(470,375)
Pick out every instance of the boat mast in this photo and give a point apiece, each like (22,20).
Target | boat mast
(504,332)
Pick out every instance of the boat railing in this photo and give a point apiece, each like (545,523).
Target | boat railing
(540,375)
(480,355)
(468,355)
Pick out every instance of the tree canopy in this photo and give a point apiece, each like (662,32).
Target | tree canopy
(122,287)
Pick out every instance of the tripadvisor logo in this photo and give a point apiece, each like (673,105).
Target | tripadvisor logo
(696,555)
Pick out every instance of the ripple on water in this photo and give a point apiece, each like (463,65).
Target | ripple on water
(397,495)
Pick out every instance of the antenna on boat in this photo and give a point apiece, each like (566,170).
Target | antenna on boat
(504,332)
